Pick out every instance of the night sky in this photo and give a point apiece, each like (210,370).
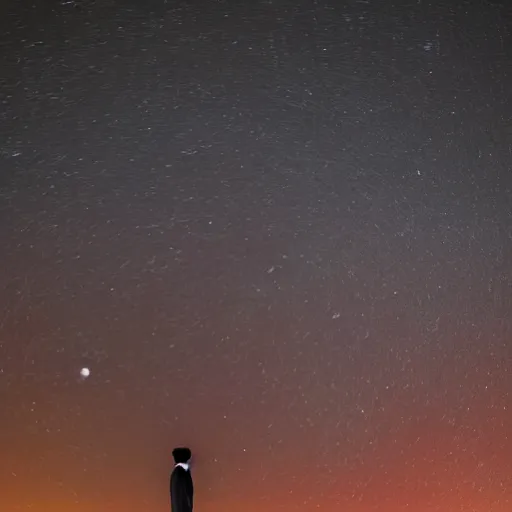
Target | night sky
(278,232)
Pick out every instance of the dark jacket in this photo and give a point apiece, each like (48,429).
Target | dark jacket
(182,490)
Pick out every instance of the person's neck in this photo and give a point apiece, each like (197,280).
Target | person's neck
(184,465)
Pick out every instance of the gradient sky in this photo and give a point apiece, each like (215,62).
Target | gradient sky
(278,232)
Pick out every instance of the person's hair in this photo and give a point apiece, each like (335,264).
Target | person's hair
(181,455)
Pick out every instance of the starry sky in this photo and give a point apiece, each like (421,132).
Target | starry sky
(278,232)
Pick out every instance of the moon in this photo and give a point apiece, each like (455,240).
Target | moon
(85,372)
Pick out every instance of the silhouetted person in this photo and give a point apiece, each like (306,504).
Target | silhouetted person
(182,488)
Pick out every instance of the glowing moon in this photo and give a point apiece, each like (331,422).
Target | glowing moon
(85,372)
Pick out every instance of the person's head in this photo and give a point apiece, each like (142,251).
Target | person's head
(181,455)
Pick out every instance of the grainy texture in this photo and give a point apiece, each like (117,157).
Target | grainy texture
(278,232)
